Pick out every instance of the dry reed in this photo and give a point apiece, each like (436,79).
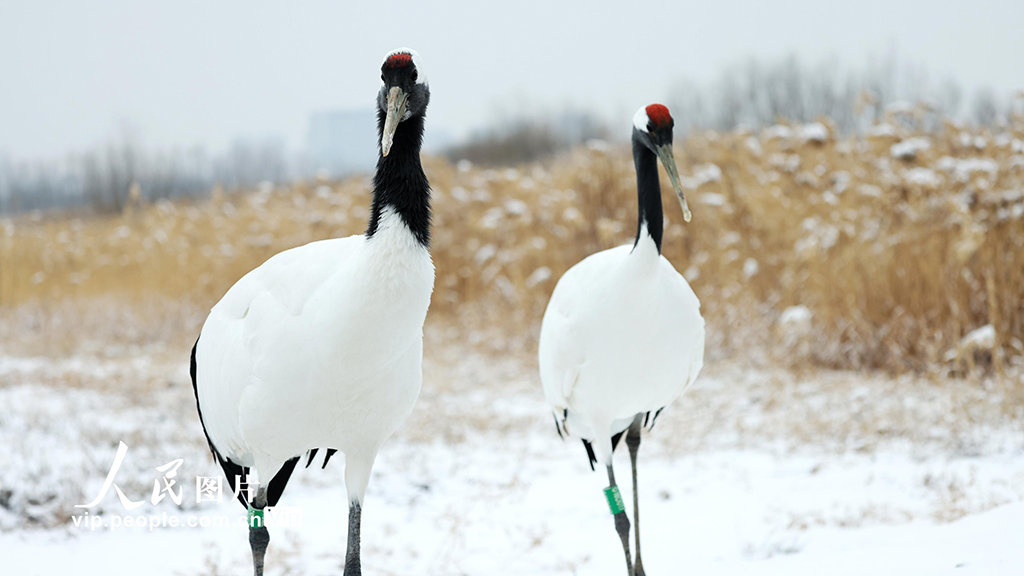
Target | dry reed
(896,244)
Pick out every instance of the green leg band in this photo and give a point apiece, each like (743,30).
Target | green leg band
(256,517)
(614,499)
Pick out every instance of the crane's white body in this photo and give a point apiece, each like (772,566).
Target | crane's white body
(622,335)
(319,347)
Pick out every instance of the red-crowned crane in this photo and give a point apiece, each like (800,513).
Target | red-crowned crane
(622,336)
(322,345)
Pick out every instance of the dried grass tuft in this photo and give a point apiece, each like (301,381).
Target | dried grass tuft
(897,244)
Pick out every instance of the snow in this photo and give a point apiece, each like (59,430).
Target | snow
(977,142)
(539,275)
(778,131)
(481,511)
(754,146)
(814,132)
(750,267)
(922,177)
(702,174)
(485,253)
(870,190)
(713,199)
(795,315)
(983,338)
(755,471)
(883,129)
(909,149)
(963,169)
(900,107)
(841,180)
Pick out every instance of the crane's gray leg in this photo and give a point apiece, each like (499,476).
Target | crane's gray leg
(357,476)
(621,521)
(633,443)
(258,535)
(352,564)
(357,468)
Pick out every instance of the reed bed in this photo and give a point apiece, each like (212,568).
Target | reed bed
(896,249)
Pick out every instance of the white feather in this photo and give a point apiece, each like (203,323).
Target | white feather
(621,335)
(319,347)
(417,61)
(641,120)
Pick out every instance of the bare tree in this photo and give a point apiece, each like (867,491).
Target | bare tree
(524,139)
(950,98)
(759,93)
(985,107)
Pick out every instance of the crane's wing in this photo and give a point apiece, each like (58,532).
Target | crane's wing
(288,278)
(228,345)
(561,354)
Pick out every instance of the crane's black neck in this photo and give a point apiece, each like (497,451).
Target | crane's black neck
(648,190)
(399,182)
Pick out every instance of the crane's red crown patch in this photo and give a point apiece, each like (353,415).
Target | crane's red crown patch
(658,115)
(398,60)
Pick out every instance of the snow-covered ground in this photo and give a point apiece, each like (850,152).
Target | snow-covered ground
(755,471)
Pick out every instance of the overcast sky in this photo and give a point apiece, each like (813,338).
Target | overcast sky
(185,73)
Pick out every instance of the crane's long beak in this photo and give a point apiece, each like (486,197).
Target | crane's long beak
(669,161)
(395,112)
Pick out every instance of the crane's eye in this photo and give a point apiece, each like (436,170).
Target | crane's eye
(414,75)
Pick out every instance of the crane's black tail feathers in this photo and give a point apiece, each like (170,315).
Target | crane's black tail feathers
(653,420)
(327,457)
(615,440)
(233,471)
(590,448)
(591,456)
(558,426)
(590,453)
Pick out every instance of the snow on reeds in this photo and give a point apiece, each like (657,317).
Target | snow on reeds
(897,243)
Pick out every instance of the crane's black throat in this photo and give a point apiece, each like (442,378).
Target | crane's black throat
(648,189)
(400,182)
